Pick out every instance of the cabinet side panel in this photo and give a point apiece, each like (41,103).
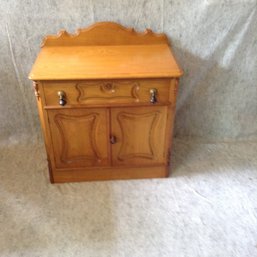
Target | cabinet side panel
(38,87)
(170,119)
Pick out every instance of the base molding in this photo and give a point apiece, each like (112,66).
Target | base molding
(112,173)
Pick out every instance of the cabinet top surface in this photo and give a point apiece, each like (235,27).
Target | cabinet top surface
(105,51)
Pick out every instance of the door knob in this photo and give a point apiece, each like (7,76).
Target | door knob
(153,95)
(113,139)
(62,98)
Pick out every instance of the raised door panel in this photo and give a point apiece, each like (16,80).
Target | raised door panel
(138,135)
(79,137)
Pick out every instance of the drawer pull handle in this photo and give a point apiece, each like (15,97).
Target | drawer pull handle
(113,139)
(153,95)
(62,100)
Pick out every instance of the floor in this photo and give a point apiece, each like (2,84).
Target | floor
(208,207)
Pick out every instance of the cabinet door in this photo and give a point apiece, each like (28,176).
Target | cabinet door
(138,135)
(79,137)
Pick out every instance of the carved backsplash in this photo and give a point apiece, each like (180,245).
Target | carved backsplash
(104,33)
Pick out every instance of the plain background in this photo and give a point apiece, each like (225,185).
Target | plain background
(214,42)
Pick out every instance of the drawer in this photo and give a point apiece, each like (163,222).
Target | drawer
(108,91)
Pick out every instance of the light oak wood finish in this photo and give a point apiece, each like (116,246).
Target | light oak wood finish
(105,33)
(106,92)
(61,176)
(79,137)
(104,62)
(139,134)
(106,98)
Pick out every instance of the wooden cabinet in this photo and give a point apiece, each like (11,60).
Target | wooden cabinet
(106,100)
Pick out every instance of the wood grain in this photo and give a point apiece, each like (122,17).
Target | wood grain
(83,93)
(79,137)
(105,33)
(111,173)
(105,62)
(140,134)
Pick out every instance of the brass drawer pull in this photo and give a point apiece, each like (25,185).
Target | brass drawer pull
(153,95)
(62,96)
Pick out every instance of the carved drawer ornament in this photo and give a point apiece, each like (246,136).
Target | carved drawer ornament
(117,90)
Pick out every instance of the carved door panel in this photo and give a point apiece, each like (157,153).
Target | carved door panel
(79,137)
(138,135)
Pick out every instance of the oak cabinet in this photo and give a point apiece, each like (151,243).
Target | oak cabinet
(106,100)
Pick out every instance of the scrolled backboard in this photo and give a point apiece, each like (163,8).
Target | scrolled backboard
(105,33)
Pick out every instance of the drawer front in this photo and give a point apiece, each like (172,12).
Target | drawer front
(108,92)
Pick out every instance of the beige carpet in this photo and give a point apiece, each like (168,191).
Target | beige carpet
(208,207)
